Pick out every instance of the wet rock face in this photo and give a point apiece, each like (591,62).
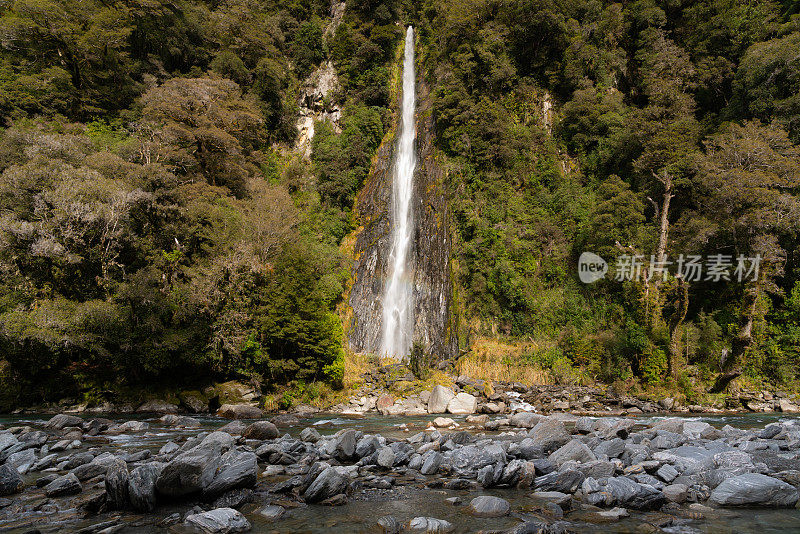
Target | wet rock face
(430,251)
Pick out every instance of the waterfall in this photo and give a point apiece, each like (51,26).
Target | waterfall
(398,305)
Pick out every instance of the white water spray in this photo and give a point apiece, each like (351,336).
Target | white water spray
(398,306)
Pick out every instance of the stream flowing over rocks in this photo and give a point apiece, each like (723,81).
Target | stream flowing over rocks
(530,473)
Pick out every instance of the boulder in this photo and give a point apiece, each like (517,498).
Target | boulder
(157,406)
(585,425)
(189,472)
(62,420)
(142,487)
(477,420)
(563,500)
(261,430)
(467,461)
(573,451)
(525,419)
(116,483)
(219,521)
(64,485)
(431,461)
(388,525)
(549,434)
(37,438)
(239,411)
(443,422)
(567,481)
(462,404)
(310,434)
(327,484)
(754,489)
(234,428)
(383,403)
(345,444)
(98,466)
(7,441)
(634,495)
(439,399)
(271,512)
(676,493)
(180,421)
(193,402)
(667,473)
(22,461)
(367,445)
(612,448)
(430,525)
(237,469)
(386,458)
(285,420)
(10,481)
(489,506)
(218,441)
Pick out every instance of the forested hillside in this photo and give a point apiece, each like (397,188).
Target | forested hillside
(676,133)
(156,224)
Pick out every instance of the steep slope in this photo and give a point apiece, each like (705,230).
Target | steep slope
(430,253)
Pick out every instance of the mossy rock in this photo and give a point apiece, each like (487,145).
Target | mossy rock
(232,392)
(193,401)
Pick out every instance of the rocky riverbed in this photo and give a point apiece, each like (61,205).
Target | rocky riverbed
(524,472)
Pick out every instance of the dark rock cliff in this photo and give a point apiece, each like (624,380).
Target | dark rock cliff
(430,254)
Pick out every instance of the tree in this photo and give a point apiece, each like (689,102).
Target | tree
(208,129)
(767,84)
(749,179)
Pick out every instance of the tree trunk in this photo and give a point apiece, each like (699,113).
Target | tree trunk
(733,366)
(675,321)
(663,226)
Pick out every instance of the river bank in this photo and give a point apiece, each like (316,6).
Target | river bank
(531,473)
(393,390)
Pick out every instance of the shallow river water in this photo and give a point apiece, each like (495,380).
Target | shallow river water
(363,509)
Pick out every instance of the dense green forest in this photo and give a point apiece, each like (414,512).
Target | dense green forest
(155,224)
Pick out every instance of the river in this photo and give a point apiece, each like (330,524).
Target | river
(366,506)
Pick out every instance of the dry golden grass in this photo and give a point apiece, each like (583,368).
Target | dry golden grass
(491,359)
(355,364)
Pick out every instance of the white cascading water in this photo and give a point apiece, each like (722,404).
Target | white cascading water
(398,306)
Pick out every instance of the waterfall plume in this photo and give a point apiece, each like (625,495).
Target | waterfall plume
(398,304)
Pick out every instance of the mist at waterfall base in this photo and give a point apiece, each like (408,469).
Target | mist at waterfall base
(398,305)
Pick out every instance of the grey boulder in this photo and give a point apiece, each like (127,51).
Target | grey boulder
(573,450)
(190,472)
(261,430)
(116,482)
(10,481)
(63,485)
(430,525)
(489,506)
(439,399)
(754,489)
(237,469)
(327,484)
(142,487)
(635,495)
(219,521)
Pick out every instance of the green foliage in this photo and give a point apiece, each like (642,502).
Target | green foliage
(419,360)
(767,83)
(654,365)
(299,334)
(307,47)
